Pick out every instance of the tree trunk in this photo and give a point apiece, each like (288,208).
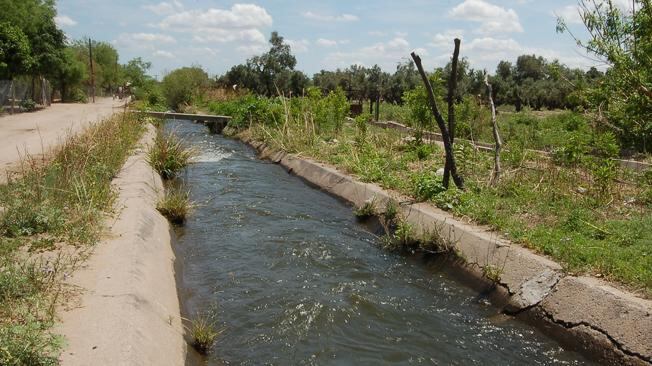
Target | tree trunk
(450,158)
(496,174)
(377,107)
(452,90)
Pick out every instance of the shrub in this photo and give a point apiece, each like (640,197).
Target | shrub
(427,186)
(168,155)
(28,105)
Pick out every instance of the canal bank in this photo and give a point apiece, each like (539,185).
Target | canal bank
(609,324)
(127,311)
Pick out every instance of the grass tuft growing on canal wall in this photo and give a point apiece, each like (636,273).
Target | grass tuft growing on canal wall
(175,206)
(169,155)
(55,202)
(203,333)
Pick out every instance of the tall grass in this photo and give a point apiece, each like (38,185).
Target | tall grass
(175,205)
(59,199)
(169,155)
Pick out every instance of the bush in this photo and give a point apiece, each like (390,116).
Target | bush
(168,155)
(28,105)
(427,186)
(184,85)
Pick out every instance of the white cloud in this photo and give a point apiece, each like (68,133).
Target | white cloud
(64,21)
(445,39)
(142,40)
(153,37)
(242,22)
(377,33)
(298,46)
(385,54)
(164,8)
(331,42)
(164,54)
(493,18)
(331,18)
(570,14)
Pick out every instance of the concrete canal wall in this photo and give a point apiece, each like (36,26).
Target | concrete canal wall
(607,323)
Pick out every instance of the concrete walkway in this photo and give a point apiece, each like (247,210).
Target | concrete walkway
(37,132)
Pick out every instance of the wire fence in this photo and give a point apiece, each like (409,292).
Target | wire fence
(24,95)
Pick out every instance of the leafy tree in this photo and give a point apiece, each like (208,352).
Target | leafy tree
(269,73)
(622,38)
(15,52)
(183,85)
(135,72)
(70,72)
(36,20)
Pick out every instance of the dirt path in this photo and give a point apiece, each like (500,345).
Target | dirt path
(37,132)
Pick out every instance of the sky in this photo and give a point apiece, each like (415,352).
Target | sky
(326,34)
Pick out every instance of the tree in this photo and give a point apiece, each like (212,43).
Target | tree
(70,72)
(269,73)
(15,52)
(183,85)
(135,72)
(621,38)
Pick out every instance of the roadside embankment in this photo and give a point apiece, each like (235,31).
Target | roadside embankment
(610,325)
(128,311)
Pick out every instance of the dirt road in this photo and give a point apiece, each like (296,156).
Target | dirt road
(37,132)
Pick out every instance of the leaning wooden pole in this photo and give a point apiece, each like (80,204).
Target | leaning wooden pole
(90,58)
(450,158)
(452,91)
(499,143)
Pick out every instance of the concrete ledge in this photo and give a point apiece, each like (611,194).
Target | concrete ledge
(129,309)
(610,325)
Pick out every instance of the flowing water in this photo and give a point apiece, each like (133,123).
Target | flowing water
(294,280)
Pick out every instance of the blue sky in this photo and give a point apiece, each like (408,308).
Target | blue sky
(324,34)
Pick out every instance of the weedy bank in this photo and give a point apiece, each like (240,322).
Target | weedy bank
(579,207)
(56,204)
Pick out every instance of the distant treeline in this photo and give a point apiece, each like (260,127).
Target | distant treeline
(530,81)
(32,46)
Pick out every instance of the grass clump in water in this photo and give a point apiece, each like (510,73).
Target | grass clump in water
(175,206)
(168,155)
(202,332)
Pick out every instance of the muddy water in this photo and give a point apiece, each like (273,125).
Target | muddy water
(294,280)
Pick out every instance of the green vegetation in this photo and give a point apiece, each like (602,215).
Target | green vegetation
(622,39)
(58,200)
(168,155)
(579,208)
(175,206)
(203,333)
(367,210)
(184,85)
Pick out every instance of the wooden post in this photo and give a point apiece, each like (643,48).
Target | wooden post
(13,96)
(377,107)
(496,174)
(450,158)
(90,58)
(452,90)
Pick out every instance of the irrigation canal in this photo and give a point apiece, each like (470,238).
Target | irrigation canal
(294,280)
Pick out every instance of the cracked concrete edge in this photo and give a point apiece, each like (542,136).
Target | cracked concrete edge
(612,325)
(128,311)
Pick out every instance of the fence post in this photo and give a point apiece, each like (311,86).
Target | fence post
(377,106)
(13,96)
